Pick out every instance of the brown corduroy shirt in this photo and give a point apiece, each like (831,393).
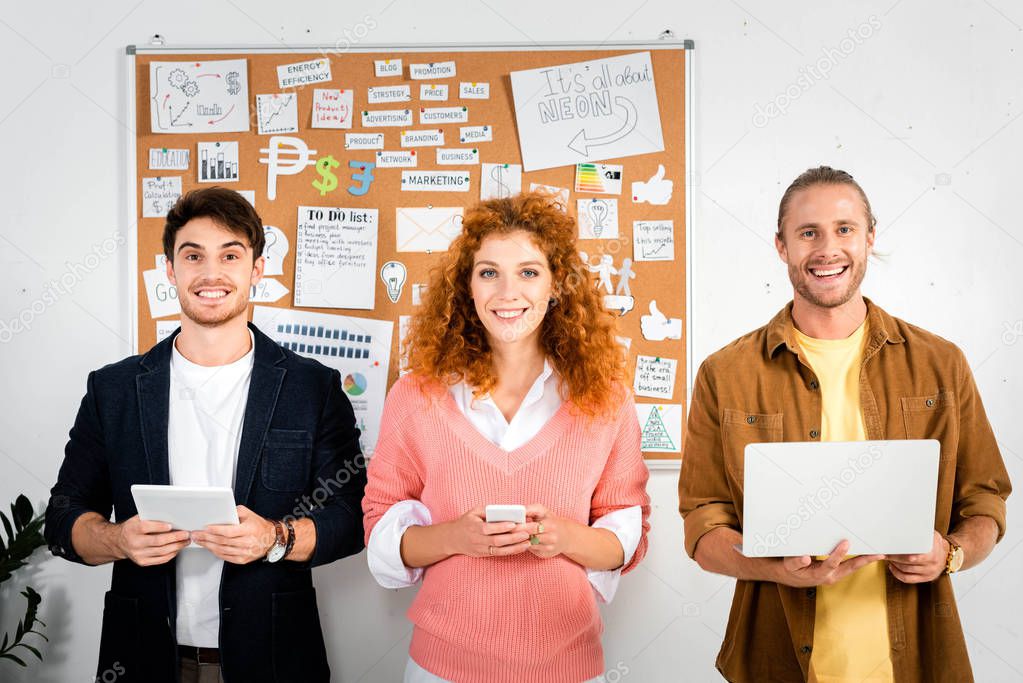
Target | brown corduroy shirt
(913,385)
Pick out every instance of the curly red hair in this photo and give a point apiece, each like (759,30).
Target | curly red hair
(447,341)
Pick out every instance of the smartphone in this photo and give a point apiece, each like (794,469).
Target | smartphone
(506,513)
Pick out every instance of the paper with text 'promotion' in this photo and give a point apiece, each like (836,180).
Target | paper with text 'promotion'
(587,111)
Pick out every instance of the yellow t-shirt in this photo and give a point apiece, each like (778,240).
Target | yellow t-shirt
(850,638)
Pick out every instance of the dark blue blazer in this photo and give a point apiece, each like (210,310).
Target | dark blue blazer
(299,456)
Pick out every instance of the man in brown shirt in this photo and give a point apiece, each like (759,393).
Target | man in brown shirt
(911,384)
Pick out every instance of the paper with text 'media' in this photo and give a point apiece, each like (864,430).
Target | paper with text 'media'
(358,348)
(587,111)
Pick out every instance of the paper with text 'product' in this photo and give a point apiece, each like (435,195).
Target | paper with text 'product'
(199,97)
(364,140)
(435,181)
(303,73)
(419,72)
(653,240)
(660,427)
(358,348)
(159,195)
(332,108)
(336,257)
(655,377)
(427,229)
(587,111)
(387,67)
(163,159)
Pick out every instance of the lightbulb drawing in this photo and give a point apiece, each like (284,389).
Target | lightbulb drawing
(598,214)
(393,273)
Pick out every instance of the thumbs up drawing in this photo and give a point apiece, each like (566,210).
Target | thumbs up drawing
(657,190)
(658,327)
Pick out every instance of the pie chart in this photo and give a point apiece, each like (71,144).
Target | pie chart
(354,384)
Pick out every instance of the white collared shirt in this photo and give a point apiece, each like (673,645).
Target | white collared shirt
(540,404)
(204,429)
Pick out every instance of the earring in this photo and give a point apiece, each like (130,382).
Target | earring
(552,303)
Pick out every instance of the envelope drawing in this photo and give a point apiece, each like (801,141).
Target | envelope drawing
(427,228)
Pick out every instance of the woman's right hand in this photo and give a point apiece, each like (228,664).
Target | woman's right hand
(472,535)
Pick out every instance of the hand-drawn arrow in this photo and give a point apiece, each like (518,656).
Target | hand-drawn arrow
(581,142)
(213,121)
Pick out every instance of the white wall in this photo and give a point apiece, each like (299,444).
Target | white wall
(925,112)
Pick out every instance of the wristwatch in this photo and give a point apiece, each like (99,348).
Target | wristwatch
(955,557)
(279,547)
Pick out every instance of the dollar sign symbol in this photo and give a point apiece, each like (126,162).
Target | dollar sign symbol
(497,173)
(329,181)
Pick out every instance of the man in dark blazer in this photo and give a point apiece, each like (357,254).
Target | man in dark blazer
(217,403)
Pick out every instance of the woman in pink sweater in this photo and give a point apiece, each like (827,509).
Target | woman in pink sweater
(515,396)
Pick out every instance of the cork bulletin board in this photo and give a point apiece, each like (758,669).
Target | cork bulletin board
(167,156)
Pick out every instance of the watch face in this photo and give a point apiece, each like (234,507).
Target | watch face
(275,554)
(957,560)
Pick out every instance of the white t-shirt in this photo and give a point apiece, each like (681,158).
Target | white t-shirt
(204,430)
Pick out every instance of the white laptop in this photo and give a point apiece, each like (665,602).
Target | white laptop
(803,498)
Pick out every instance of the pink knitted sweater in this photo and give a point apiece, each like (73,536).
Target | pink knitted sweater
(518,619)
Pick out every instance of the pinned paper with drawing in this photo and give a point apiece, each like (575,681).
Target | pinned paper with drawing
(587,111)
(332,108)
(165,328)
(655,377)
(598,178)
(336,257)
(597,218)
(653,240)
(500,180)
(218,162)
(275,250)
(618,299)
(159,195)
(284,156)
(267,291)
(394,273)
(163,159)
(559,195)
(162,295)
(277,113)
(656,190)
(199,97)
(658,327)
(661,427)
(359,348)
(427,229)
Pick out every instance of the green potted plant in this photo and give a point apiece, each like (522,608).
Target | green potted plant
(24,535)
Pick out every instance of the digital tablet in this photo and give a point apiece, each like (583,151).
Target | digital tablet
(803,498)
(185,508)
